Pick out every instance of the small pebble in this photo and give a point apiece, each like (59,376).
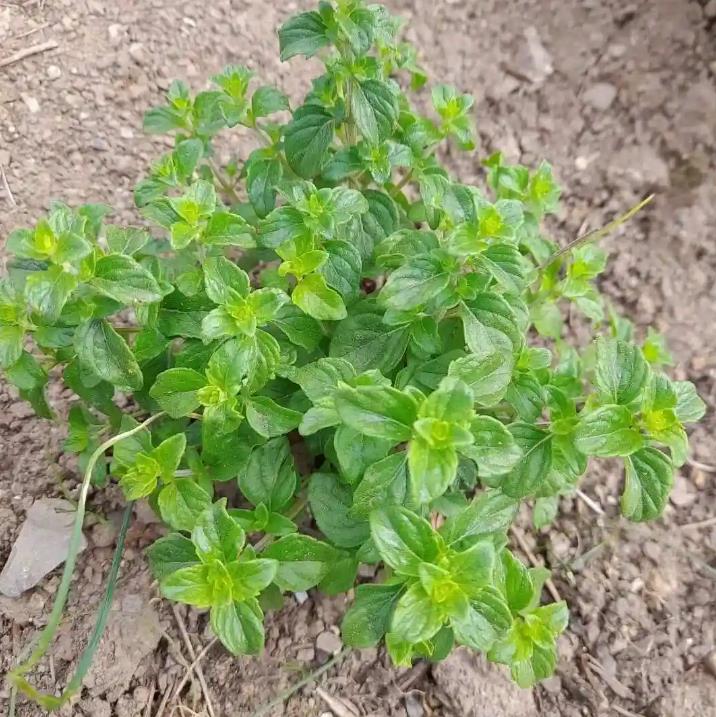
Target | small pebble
(54,72)
(329,642)
(32,104)
(600,96)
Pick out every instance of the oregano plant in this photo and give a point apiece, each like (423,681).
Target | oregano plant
(373,353)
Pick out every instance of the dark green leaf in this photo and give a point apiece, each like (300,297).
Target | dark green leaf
(649,478)
(101,350)
(330,502)
(307,139)
(403,539)
(270,476)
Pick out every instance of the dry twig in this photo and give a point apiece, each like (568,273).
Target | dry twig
(192,657)
(6,187)
(590,502)
(28,52)
(336,705)
(190,668)
(708,523)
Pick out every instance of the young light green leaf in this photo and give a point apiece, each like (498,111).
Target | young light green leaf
(239,626)
(318,300)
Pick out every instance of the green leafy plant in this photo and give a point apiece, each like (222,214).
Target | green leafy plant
(373,351)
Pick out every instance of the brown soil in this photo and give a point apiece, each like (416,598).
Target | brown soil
(621,97)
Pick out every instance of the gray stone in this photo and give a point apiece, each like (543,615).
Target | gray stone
(600,96)
(478,688)
(40,547)
(329,642)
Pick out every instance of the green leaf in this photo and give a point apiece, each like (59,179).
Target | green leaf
(517,584)
(342,269)
(270,476)
(689,406)
(330,503)
(307,139)
(263,174)
(365,342)
(169,554)
(403,539)
(300,329)
(168,455)
(102,351)
(121,278)
(489,512)
(269,419)
(432,470)
(267,100)
(649,478)
(416,617)
(224,280)
(374,109)
(545,511)
(415,283)
(239,626)
(11,340)
(175,391)
(227,229)
(281,225)
(304,34)
(181,502)
(189,585)
(47,292)
(125,240)
(319,379)
(488,374)
(490,321)
(494,450)
(384,483)
(216,535)
(302,561)
(379,411)
(368,618)
(534,465)
(318,300)
(608,431)
(356,451)
(621,371)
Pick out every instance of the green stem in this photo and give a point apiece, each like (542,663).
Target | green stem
(224,184)
(39,646)
(292,512)
(596,234)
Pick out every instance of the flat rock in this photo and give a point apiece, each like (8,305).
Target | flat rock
(600,96)
(40,547)
(479,688)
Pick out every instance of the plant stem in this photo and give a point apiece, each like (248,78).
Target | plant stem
(596,234)
(292,512)
(39,646)
(224,184)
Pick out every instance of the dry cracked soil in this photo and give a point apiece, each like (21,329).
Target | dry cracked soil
(621,97)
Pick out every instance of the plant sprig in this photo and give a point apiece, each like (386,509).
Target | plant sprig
(337,323)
